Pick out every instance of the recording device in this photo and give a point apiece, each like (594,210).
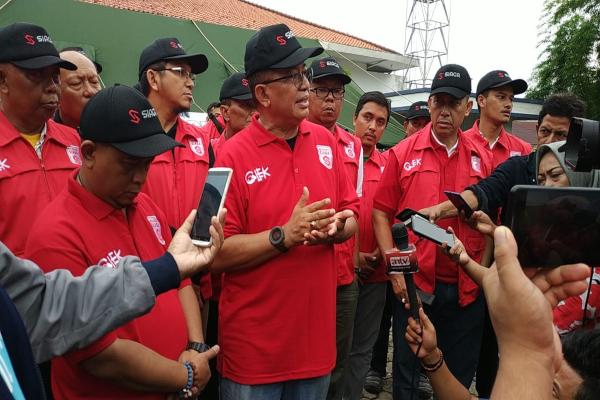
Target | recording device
(405,215)
(425,229)
(555,226)
(403,260)
(459,202)
(582,150)
(211,203)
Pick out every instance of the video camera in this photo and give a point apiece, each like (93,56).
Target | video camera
(582,150)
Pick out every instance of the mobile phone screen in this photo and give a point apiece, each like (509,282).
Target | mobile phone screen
(459,202)
(430,231)
(210,203)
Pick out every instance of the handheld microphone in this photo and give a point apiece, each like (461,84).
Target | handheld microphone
(403,260)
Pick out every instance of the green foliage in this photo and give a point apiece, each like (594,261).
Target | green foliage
(571,58)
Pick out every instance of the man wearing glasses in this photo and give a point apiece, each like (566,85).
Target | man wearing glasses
(289,201)
(176,178)
(325,103)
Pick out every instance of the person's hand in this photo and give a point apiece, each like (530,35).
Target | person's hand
(433,213)
(457,253)
(190,258)
(482,222)
(426,336)
(367,262)
(201,368)
(306,218)
(327,234)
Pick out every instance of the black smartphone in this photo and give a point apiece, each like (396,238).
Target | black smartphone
(459,202)
(422,227)
(405,215)
(555,226)
(211,202)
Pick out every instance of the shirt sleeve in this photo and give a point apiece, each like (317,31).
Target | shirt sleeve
(388,191)
(235,202)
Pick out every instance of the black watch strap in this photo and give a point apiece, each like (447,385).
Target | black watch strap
(277,239)
(198,346)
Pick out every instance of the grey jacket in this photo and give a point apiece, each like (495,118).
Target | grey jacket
(63,313)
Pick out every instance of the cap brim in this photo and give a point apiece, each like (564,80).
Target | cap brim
(149,146)
(43,62)
(452,91)
(345,78)
(246,96)
(419,114)
(518,85)
(98,67)
(298,57)
(198,62)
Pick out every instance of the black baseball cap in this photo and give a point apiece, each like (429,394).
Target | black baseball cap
(82,51)
(328,66)
(499,78)
(167,49)
(235,87)
(452,79)
(273,47)
(418,109)
(122,117)
(29,46)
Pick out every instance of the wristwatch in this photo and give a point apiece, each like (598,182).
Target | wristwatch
(197,346)
(277,237)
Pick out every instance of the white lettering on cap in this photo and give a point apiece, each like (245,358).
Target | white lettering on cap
(289,34)
(149,113)
(452,74)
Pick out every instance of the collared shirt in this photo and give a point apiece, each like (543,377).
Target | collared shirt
(415,176)
(27,181)
(449,150)
(277,320)
(505,146)
(79,229)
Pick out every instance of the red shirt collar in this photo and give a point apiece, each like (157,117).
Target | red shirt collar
(262,136)
(92,203)
(339,133)
(377,158)
(502,136)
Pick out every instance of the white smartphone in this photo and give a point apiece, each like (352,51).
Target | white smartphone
(211,203)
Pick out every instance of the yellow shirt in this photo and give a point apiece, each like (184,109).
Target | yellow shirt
(32,139)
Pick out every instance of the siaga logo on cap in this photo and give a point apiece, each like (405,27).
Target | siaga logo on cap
(134,115)
(282,39)
(175,45)
(245,82)
(418,108)
(30,40)
(503,75)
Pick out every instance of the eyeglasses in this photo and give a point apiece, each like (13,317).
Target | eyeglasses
(297,78)
(323,92)
(181,72)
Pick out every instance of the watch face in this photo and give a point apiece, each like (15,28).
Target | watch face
(276,234)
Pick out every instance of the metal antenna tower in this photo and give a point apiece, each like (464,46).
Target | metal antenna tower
(427,33)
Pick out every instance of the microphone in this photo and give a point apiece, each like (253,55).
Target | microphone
(403,260)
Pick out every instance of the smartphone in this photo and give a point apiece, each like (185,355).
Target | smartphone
(459,202)
(422,227)
(405,215)
(211,203)
(555,226)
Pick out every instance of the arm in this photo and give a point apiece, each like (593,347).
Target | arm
(191,311)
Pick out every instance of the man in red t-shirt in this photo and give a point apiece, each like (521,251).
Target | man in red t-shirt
(495,95)
(419,169)
(325,103)
(100,218)
(370,120)
(289,201)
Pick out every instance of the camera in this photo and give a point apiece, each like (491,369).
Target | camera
(582,150)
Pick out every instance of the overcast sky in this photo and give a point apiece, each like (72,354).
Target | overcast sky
(484,34)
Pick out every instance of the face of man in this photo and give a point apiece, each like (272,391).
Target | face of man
(237,114)
(414,125)
(112,175)
(175,86)
(76,87)
(370,124)
(29,96)
(552,129)
(326,100)
(285,95)
(497,104)
(448,113)
(551,173)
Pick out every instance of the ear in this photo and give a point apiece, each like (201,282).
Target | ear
(225,112)
(152,77)
(88,153)
(481,101)
(354,122)
(261,94)
(469,107)
(3,82)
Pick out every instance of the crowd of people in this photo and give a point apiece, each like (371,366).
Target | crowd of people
(104,293)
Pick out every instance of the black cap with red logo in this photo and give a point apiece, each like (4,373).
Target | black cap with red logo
(274,47)
(328,66)
(29,46)
(235,87)
(499,78)
(170,49)
(452,79)
(418,109)
(122,117)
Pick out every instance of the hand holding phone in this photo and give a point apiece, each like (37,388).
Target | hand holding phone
(422,227)
(459,202)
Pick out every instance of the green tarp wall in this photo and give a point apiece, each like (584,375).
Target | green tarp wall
(116,37)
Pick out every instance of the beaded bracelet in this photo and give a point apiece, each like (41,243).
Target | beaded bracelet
(186,392)
(435,366)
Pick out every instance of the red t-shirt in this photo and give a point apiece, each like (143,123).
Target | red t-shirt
(176,179)
(507,145)
(211,130)
(373,169)
(28,183)
(568,314)
(277,320)
(415,176)
(349,149)
(77,230)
